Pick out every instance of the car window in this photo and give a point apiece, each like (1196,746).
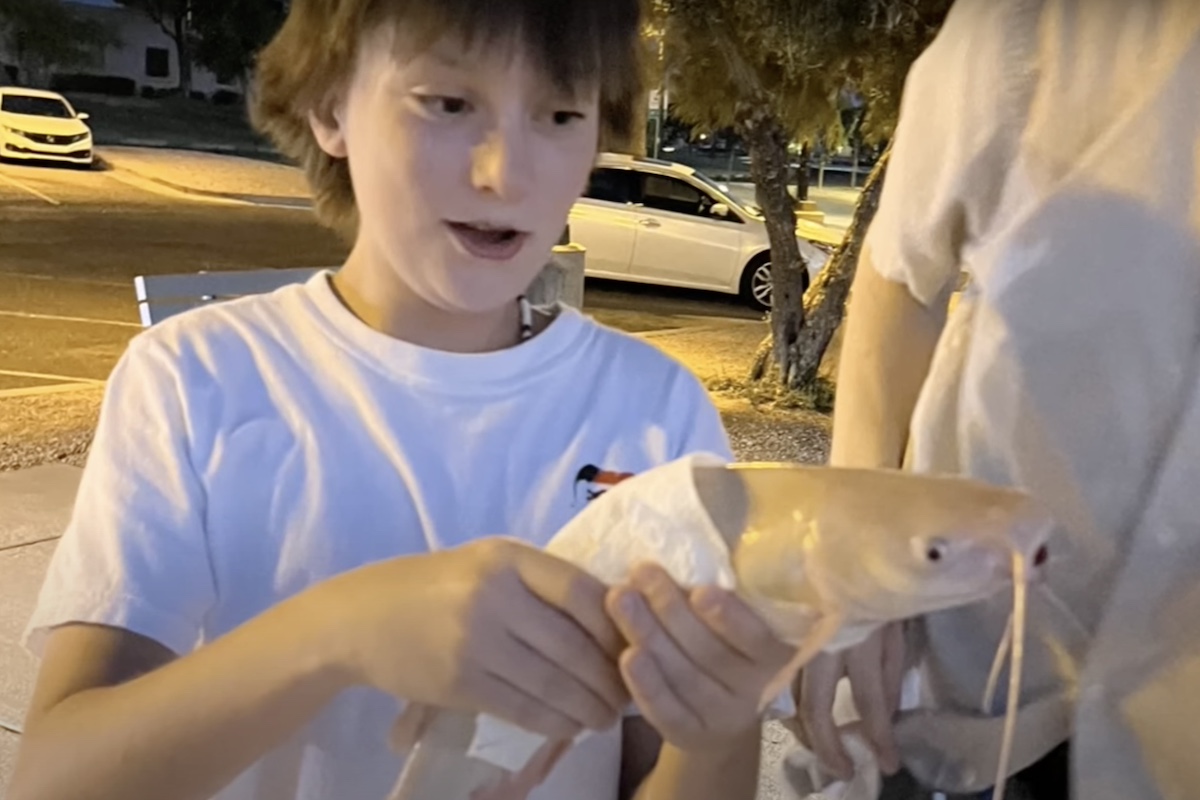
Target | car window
(671,194)
(35,106)
(610,185)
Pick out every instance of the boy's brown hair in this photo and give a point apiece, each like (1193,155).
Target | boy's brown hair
(577,43)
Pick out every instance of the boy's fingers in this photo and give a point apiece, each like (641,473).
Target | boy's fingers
(699,643)
(510,703)
(654,696)
(576,593)
(895,656)
(555,636)
(864,667)
(537,676)
(647,635)
(740,627)
(819,685)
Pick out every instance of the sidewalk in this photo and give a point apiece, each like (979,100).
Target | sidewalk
(211,174)
(837,203)
(37,504)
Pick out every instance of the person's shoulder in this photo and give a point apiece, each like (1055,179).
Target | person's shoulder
(225,324)
(982,61)
(634,358)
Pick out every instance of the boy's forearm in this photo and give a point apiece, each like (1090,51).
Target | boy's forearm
(727,775)
(888,346)
(190,728)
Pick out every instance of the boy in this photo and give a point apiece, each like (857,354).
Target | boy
(281,534)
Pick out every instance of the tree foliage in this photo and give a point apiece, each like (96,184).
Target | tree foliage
(230,32)
(42,34)
(220,35)
(776,71)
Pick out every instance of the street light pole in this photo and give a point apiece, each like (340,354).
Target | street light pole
(662,95)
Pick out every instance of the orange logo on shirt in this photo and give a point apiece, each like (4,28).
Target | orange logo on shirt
(598,480)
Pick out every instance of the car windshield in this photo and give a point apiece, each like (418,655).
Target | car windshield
(35,106)
(723,192)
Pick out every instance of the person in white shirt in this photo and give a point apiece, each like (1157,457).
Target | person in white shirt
(305,510)
(1048,148)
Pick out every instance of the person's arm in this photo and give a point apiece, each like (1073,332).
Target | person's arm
(888,346)
(115,714)
(727,774)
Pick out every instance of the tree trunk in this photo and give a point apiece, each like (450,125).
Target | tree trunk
(825,303)
(802,173)
(767,141)
(183,52)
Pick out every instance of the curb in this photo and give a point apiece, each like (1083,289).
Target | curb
(248,151)
(253,199)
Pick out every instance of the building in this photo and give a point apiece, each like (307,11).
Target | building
(146,55)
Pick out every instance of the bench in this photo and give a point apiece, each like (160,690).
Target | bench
(163,296)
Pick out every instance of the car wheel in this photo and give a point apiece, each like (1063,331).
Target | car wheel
(756,284)
(757,287)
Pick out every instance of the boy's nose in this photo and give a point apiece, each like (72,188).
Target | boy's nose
(503,165)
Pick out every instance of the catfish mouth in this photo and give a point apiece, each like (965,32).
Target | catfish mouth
(488,241)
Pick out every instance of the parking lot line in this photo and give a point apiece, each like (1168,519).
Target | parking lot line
(59,318)
(44,376)
(58,388)
(21,185)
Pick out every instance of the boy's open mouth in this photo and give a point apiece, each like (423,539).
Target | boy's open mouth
(487,241)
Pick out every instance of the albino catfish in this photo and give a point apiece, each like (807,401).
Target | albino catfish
(824,555)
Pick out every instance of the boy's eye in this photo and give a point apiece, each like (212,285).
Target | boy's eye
(562,118)
(444,106)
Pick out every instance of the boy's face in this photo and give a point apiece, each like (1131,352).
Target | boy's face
(465,166)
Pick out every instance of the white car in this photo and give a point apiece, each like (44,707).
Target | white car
(658,222)
(43,126)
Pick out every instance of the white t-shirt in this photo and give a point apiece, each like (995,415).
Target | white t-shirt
(251,449)
(1050,148)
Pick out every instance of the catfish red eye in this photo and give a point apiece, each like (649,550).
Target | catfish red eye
(1041,556)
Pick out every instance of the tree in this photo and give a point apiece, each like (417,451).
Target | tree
(761,68)
(825,301)
(775,70)
(42,35)
(229,33)
(173,17)
(653,78)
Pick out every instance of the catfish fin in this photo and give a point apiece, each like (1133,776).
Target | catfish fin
(821,634)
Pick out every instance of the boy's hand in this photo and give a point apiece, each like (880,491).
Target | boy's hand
(876,672)
(698,662)
(494,626)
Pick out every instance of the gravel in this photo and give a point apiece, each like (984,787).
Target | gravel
(47,429)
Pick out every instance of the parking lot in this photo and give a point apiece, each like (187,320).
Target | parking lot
(72,241)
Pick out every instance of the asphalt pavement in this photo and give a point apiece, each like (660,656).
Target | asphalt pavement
(71,243)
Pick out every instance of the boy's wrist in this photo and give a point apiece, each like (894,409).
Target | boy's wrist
(314,621)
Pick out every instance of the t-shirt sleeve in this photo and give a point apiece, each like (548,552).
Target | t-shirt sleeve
(700,428)
(134,554)
(964,105)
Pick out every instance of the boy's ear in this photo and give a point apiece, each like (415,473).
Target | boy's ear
(326,123)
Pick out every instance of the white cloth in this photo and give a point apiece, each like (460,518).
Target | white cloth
(658,517)
(251,449)
(1052,149)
